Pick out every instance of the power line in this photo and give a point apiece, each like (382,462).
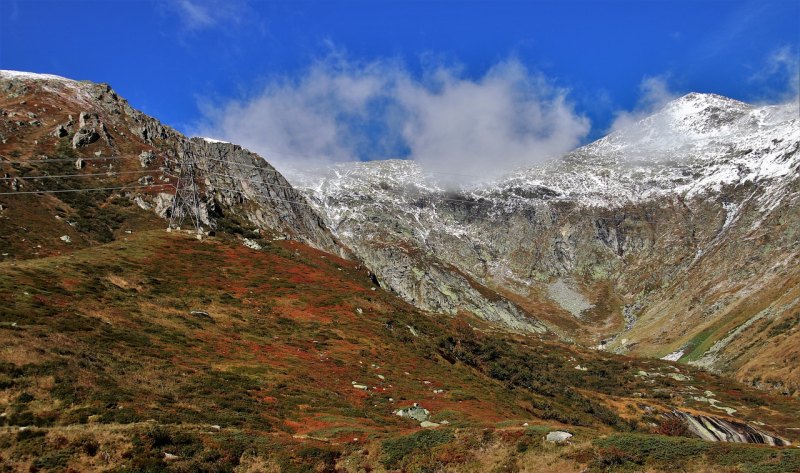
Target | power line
(109,173)
(84,190)
(264,196)
(65,160)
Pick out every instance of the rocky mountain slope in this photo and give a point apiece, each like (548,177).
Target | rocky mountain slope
(91,138)
(159,352)
(675,237)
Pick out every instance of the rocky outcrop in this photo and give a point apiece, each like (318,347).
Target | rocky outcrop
(232,181)
(721,430)
(84,137)
(243,183)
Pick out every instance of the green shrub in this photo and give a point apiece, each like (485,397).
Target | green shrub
(397,449)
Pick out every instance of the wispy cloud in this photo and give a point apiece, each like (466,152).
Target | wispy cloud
(340,110)
(194,15)
(654,94)
(201,15)
(779,75)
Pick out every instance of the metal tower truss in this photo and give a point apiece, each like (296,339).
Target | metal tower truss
(187,200)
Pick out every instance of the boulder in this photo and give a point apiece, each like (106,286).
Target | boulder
(85,136)
(142,203)
(252,244)
(415,412)
(558,436)
(86,120)
(163,202)
(428,424)
(145,158)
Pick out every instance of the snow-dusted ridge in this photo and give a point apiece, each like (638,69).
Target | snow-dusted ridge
(8,74)
(695,145)
(212,140)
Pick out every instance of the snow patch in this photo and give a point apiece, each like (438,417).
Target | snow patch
(674,356)
(212,140)
(8,74)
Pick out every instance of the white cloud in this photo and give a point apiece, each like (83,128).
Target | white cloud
(780,74)
(194,15)
(654,94)
(342,111)
(222,15)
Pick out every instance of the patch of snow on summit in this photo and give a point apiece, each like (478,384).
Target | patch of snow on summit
(8,74)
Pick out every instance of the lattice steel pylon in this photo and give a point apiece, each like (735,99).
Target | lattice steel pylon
(187,200)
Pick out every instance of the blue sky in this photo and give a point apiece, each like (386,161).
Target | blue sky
(198,65)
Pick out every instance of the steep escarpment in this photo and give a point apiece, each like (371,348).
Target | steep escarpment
(675,237)
(86,142)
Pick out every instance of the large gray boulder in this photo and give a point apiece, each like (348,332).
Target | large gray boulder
(558,436)
(84,137)
(145,158)
(415,412)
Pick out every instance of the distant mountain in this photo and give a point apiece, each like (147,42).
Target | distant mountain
(675,236)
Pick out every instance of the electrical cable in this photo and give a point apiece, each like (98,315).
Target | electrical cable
(84,190)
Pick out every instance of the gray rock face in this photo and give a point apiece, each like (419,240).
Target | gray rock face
(84,137)
(60,131)
(232,181)
(146,158)
(245,184)
(721,430)
(660,231)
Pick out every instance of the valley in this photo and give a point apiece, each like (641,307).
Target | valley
(311,309)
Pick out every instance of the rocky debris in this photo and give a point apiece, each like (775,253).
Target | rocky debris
(722,430)
(674,356)
(146,158)
(146,180)
(715,404)
(252,244)
(678,376)
(64,129)
(415,412)
(138,200)
(163,204)
(563,293)
(558,436)
(86,120)
(84,137)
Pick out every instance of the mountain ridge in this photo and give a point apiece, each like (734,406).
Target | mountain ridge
(582,219)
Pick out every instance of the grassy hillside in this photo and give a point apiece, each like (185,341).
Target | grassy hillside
(158,351)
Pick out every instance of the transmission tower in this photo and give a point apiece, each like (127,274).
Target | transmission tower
(187,201)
